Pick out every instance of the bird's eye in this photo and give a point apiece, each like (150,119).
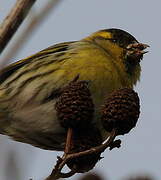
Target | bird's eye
(114,40)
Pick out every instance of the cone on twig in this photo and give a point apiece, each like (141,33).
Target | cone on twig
(83,141)
(75,107)
(142,177)
(91,176)
(121,111)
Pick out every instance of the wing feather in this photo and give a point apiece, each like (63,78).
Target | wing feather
(10,69)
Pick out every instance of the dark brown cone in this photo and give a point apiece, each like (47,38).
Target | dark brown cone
(75,107)
(91,176)
(141,178)
(84,141)
(121,111)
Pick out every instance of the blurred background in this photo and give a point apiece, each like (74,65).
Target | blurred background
(72,20)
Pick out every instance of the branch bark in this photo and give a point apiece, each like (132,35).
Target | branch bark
(35,21)
(13,21)
(57,174)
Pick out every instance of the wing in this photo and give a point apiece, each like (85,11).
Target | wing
(9,70)
(20,103)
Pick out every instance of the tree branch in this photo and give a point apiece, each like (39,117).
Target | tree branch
(35,22)
(57,174)
(13,21)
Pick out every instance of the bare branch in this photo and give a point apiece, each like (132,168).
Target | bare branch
(57,174)
(34,23)
(13,21)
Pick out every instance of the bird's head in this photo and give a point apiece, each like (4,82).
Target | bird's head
(121,46)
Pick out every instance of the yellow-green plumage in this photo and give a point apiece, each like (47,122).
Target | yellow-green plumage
(27,88)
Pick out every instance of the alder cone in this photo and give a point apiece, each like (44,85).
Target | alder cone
(91,176)
(75,107)
(121,111)
(84,140)
(141,178)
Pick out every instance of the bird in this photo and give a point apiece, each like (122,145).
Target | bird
(109,59)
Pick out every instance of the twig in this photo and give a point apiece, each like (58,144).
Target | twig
(96,149)
(69,140)
(34,23)
(13,21)
(56,173)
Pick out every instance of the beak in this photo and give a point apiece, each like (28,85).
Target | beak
(138,47)
(135,51)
